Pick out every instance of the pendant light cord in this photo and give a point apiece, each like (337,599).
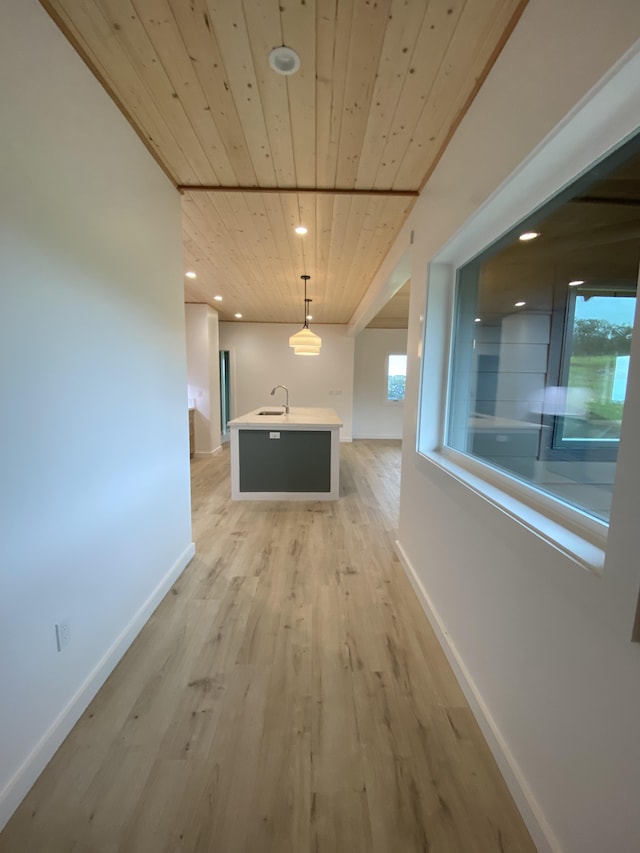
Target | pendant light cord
(306,301)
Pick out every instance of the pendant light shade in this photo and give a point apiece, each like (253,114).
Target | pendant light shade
(306,350)
(305,338)
(305,342)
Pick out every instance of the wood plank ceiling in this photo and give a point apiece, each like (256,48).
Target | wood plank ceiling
(395,314)
(342,147)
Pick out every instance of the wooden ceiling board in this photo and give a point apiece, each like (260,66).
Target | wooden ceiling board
(307,213)
(253,255)
(203,50)
(326,45)
(427,58)
(273,256)
(337,253)
(381,87)
(334,53)
(371,247)
(191,58)
(142,37)
(321,238)
(260,96)
(395,314)
(296,263)
(111,66)
(473,46)
(395,60)
(286,250)
(255,245)
(299,28)
(264,30)
(233,273)
(367,36)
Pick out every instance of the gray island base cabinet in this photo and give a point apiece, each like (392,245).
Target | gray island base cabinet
(292,456)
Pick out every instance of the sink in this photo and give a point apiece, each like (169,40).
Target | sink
(270,412)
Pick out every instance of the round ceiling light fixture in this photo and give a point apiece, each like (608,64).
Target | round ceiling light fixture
(301,229)
(284,60)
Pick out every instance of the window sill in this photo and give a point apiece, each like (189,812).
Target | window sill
(586,549)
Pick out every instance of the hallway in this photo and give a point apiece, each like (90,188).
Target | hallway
(287,695)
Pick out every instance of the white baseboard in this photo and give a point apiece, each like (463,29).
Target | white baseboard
(205,454)
(384,436)
(345,439)
(24,778)
(541,833)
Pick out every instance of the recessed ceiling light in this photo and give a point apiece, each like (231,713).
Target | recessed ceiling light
(520,304)
(218,298)
(529,235)
(190,274)
(478,320)
(237,316)
(301,229)
(309,316)
(576,283)
(284,60)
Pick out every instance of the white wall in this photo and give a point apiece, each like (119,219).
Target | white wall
(261,358)
(203,376)
(542,645)
(95,515)
(373,415)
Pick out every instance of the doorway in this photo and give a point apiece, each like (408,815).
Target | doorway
(225,392)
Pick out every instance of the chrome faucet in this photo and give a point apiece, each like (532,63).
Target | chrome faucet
(286,391)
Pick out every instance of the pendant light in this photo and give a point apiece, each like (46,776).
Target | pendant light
(305,342)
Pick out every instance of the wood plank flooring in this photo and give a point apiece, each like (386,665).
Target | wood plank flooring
(287,696)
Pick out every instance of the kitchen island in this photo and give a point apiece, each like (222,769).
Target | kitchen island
(280,455)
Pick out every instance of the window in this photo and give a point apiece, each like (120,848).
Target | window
(541,343)
(595,367)
(396,377)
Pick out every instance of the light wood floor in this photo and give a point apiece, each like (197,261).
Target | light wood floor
(288,695)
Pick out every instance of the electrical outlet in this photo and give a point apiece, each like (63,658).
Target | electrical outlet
(63,634)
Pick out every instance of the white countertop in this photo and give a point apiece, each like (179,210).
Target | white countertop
(299,417)
(487,422)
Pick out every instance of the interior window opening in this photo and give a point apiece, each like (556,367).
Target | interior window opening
(542,337)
